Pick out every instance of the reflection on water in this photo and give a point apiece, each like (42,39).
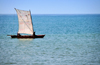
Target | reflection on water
(28,39)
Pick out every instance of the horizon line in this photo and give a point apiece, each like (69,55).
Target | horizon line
(57,14)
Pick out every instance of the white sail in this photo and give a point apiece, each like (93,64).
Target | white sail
(25,22)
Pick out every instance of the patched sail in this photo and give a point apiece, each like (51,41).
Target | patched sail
(25,22)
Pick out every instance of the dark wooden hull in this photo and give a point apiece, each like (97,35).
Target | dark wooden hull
(27,36)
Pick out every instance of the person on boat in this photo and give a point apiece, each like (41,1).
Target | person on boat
(18,34)
(34,34)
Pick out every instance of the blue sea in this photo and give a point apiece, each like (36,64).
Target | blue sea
(69,40)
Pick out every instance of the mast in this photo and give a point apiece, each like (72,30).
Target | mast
(31,21)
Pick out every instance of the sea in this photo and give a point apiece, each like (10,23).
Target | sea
(70,39)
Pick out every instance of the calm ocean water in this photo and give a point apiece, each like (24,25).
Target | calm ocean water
(69,40)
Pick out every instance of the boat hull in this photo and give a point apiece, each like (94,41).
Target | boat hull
(26,36)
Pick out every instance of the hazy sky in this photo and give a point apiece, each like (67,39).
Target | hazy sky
(51,6)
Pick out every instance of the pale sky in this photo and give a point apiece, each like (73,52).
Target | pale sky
(51,6)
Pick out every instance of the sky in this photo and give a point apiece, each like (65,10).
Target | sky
(51,6)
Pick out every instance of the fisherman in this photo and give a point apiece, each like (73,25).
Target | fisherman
(18,34)
(34,34)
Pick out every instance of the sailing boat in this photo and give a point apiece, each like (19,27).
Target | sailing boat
(25,25)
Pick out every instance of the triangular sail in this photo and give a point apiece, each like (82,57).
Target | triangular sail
(25,22)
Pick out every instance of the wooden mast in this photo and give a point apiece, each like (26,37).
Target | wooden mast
(32,24)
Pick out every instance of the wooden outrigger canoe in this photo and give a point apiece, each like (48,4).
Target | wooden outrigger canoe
(25,25)
(26,36)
